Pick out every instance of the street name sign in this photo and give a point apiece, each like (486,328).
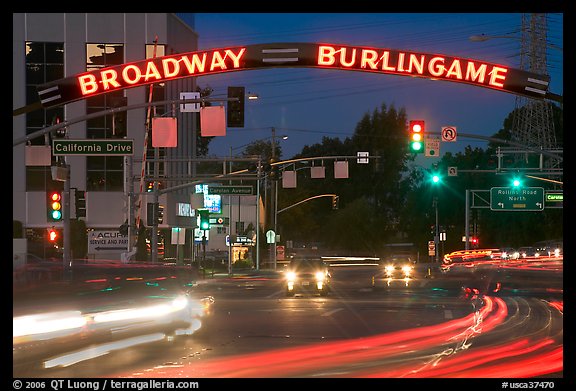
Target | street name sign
(93,147)
(521,199)
(230,190)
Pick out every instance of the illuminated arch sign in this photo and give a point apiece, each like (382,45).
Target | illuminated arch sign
(312,55)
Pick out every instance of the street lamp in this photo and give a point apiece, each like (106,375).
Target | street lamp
(484,37)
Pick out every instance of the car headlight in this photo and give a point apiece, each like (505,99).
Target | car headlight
(407,270)
(389,269)
(320,276)
(557,252)
(290,276)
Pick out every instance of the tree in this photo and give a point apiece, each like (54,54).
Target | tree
(381,185)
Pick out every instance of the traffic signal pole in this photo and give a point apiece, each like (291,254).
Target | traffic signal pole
(66,240)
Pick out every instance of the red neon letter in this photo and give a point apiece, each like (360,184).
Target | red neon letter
(455,70)
(196,63)
(343,58)
(368,57)
(217,61)
(436,70)
(168,63)
(88,84)
(385,60)
(475,75)
(152,72)
(326,55)
(414,65)
(400,66)
(126,76)
(109,79)
(495,74)
(235,59)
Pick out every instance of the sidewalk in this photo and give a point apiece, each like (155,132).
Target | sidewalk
(244,273)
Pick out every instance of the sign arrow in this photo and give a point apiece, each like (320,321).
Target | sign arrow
(501,204)
(110,248)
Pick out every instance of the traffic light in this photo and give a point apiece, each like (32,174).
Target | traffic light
(516,182)
(273,172)
(154,211)
(60,132)
(204,219)
(160,213)
(80,203)
(52,235)
(54,205)
(235,112)
(335,199)
(435,176)
(417,128)
(475,242)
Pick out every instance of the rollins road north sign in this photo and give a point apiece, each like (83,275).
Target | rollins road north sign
(521,199)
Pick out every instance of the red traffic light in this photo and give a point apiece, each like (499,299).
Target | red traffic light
(54,206)
(416,129)
(52,235)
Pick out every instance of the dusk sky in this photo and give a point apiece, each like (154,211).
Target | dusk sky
(307,104)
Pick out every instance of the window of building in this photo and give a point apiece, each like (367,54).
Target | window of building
(158,95)
(239,227)
(105,173)
(44,63)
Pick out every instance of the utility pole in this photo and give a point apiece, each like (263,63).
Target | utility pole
(66,256)
(272,202)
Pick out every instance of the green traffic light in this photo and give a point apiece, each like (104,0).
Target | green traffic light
(435,178)
(416,146)
(516,182)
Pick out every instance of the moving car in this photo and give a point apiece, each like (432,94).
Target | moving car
(528,252)
(401,266)
(307,275)
(509,253)
(394,268)
(104,304)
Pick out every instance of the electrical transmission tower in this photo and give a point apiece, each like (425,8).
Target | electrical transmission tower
(533,123)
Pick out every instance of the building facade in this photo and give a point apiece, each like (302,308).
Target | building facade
(52,46)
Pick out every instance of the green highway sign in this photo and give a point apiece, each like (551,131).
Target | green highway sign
(554,197)
(517,199)
(93,147)
(230,190)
